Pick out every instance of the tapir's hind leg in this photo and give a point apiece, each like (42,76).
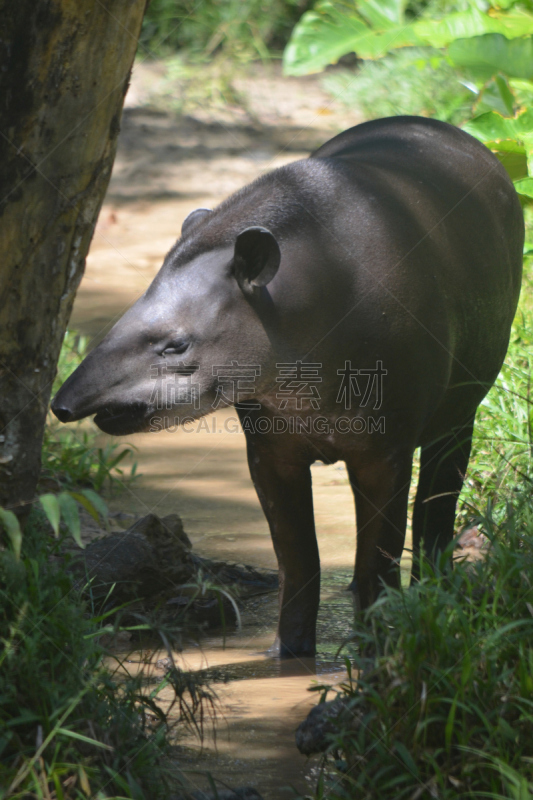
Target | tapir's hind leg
(381,491)
(442,470)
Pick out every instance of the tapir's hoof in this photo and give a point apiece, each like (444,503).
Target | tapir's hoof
(292,649)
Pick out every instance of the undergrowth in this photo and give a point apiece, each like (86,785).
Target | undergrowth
(75,720)
(439,698)
(241,29)
(70,726)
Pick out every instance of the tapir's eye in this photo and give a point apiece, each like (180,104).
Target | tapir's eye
(175,348)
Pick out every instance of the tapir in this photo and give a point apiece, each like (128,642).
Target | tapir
(362,300)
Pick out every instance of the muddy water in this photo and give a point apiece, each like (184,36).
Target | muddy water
(165,168)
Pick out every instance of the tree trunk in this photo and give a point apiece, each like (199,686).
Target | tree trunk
(64,71)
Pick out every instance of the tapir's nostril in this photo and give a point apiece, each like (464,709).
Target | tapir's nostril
(63,414)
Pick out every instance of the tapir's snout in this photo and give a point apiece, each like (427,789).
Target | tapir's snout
(80,395)
(63,414)
(71,403)
(87,391)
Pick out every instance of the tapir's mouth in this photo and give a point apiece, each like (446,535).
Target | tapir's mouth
(122,420)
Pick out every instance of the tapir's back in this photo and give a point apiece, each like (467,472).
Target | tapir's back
(440,164)
(451,219)
(415,144)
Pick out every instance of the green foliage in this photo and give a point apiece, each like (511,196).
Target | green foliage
(440,686)
(242,29)
(407,82)
(72,458)
(511,138)
(372,28)
(490,54)
(70,728)
(56,508)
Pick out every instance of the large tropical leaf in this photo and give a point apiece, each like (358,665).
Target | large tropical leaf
(483,56)
(466,24)
(525,187)
(509,138)
(382,14)
(324,35)
(493,127)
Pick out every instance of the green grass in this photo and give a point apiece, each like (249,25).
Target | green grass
(445,683)
(502,456)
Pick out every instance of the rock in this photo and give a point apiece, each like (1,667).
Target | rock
(152,556)
(152,560)
(166,534)
(322,720)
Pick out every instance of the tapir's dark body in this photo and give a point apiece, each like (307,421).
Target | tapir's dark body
(401,244)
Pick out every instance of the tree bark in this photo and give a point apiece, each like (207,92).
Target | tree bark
(64,71)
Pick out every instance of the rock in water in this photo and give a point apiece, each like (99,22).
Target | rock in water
(312,735)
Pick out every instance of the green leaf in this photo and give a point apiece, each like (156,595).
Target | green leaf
(507,135)
(71,518)
(96,501)
(496,96)
(382,14)
(448,731)
(51,509)
(321,37)
(484,56)
(524,187)
(505,93)
(92,503)
(12,528)
(324,35)
(515,163)
(81,738)
(492,126)
(466,24)
(407,758)
(328,32)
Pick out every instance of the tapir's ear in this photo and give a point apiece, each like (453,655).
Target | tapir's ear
(194,217)
(256,259)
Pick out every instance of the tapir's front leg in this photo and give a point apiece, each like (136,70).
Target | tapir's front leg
(284,489)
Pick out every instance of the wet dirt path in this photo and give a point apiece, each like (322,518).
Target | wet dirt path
(167,166)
